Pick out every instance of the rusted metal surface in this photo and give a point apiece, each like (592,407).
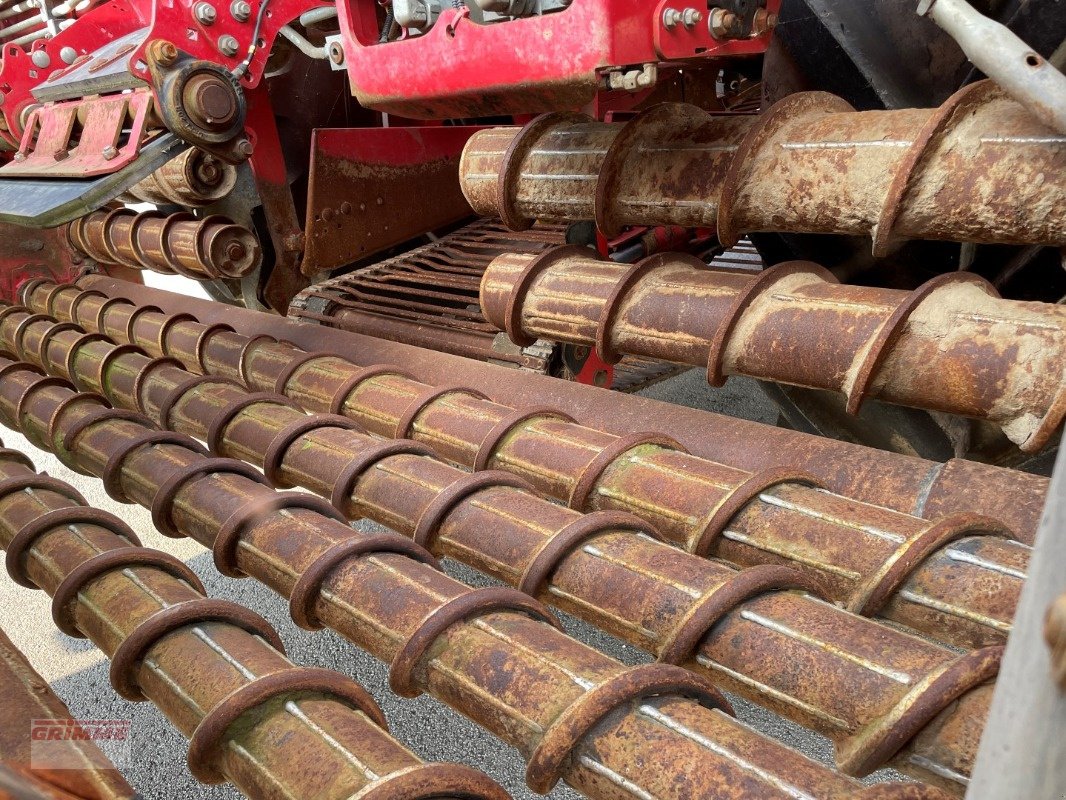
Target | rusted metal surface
(980,168)
(494,654)
(903,483)
(215,669)
(201,249)
(373,188)
(952,345)
(27,697)
(956,579)
(428,297)
(31,253)
(869,688)
(193,179)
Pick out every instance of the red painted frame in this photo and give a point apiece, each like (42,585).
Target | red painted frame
(172,20)
(526,65)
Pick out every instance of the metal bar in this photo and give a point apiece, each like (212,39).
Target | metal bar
(494,654)
(214,668)
(605,568)
(911,485)
(808,164)
(952,345)
(869,559)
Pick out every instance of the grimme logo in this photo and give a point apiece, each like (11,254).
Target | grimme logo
(79,743)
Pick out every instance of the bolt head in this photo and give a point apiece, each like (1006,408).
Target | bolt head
(163,52)
(228,46)
(40,59)
(205,13)
(20,156)
(109,153)
(68,55)
(245,148)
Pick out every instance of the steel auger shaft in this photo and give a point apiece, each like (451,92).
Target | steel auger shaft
(214,668)
(952,345)
(606,567)
(494,654)
(980,168)
(956,579)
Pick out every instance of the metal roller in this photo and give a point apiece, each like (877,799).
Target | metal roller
(215,669)
(495,654)
(606,568)
(951,345)
(773,516)
(979,168)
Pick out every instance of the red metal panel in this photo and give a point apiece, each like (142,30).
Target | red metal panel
(526,65)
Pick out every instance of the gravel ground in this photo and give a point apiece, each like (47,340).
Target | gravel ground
(78,672)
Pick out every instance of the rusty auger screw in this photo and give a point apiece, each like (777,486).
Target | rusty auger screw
(216,669)
(176,244)
(495,654)
(955,579)
(606,567)
(808,164)
(952,345)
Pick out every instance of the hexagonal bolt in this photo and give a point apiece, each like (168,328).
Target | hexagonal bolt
(162,52)
(688,17)
(109,153)
(228,45)
(722,23)
(764,21)
(205,13)
(240,10)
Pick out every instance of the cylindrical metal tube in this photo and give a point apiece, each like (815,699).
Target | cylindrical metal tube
(949,578)
(205,249)
(194,179)
(214,668)
(605,568)
(808,164)
(952,345)
(494,654)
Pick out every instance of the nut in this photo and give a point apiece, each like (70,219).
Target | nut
(671,16)
(336,53)
(240,10)
(722,23)
(228,45)
(205,13)
(162,52)
(690,17)
(245,148)
(764,21)
(109,152)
